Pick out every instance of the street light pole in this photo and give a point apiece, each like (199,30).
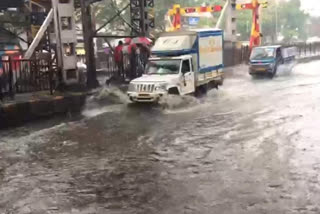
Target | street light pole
(276,20)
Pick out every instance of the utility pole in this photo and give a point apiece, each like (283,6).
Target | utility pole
(88,32)
(58,38)
(66,40)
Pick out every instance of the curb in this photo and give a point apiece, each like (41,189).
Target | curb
(14,114)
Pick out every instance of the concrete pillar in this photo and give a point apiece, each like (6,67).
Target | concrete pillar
(231,22)
(66,40)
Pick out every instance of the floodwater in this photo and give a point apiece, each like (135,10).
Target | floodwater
(249,148)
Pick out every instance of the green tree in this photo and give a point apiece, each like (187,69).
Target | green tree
(268,22)
(244,22)
(108,8)
(292,20)
(12,25)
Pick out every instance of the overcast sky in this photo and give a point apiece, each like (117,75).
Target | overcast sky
(312,6)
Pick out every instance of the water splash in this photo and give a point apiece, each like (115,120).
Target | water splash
(93,112)
(178,102)
(107,99)
(112,94)
(286,69)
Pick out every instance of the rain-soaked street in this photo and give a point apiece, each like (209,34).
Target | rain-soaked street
(249,148)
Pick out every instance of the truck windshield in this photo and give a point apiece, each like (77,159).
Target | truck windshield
(163,67)
(262,53)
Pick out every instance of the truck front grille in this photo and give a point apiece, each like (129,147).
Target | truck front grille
(145,87)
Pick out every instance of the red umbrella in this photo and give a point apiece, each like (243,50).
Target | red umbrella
(127,40)
(141,40)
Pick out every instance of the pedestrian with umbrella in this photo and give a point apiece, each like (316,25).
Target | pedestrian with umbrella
(143,44)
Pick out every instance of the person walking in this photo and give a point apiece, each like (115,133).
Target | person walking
(133,61)
(118,58)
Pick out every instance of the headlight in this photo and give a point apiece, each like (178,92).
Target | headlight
(132,87)
(161,87)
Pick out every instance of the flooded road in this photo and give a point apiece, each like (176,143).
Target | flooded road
(252,147)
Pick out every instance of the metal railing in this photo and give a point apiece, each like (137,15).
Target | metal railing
(308,49)
(131,66)
(304,50)
(22,76)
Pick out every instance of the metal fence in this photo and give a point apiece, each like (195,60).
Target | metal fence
(233,55)
(130,67)
(308,49)
(237,55)
(21,76)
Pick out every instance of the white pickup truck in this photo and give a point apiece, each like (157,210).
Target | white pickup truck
(182,63)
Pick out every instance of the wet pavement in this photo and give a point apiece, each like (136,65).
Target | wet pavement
(251,147)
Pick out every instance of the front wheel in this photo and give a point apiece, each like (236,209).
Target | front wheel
(173,91)
(274,72)
(201,90)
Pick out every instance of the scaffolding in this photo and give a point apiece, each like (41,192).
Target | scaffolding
(142,17)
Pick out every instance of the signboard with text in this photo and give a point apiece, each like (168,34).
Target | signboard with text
(193,21)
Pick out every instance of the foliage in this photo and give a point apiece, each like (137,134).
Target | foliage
(13,21)
(244,21)
(291,21)
(108,8)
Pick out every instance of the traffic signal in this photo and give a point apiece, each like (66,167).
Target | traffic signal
(264,4)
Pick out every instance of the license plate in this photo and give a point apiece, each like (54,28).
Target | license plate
(260,69)
(143,95)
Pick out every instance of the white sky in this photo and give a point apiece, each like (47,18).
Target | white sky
(311,6)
